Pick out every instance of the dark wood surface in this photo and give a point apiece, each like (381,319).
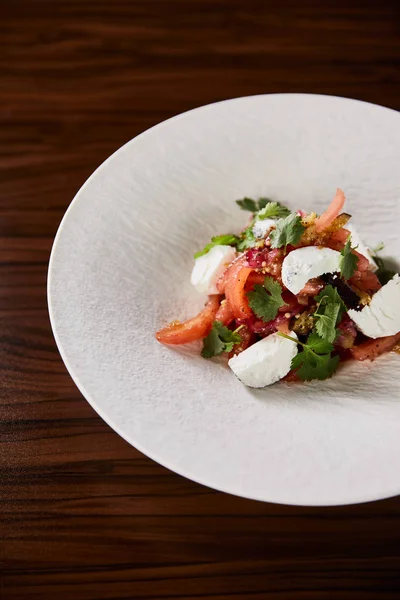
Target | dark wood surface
(84,515)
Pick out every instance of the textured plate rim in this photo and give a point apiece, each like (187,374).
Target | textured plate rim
(357,499)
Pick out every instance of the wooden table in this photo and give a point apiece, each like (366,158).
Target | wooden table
(85,516)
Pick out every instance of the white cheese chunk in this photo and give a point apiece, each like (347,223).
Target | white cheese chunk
(382,316)
(265,362)
(301,265)
(209,268)
(361,247)
(261,228)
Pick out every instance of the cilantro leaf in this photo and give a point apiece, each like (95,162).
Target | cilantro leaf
(288,231)
(329,311)
(262,202)
(266,299)
(272,210)
(319,345)
(219,340)
(247,240)
(253,205)
(348,261)
(314,361)
(248,204)
(383,273)
(314,366)
(326,322)
(331,295)
(224,240)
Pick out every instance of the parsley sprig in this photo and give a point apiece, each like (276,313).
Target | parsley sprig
(265,300)
(219,340)
(315,360)
(348,261)
(288,231)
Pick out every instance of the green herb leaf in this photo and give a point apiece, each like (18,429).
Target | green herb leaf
(383,273)
(272,210)
(247,239)
(266,299)
(326,322)
(314,361)
(288,231)
(262,202)
(309,365)
(330,295)
(219,340)
(349,261)
(319,345)
(329,311)
(219,240)
(253,205)
(248,204)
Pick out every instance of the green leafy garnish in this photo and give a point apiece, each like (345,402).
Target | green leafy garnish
(315,360)
(266,299)
(219,340)
(272,210)
(348,261)
(288,231)
(247,239)
(224,240)
(328,313)
(383,273)
(252,205)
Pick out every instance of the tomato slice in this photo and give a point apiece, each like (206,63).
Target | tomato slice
(373,348)
(366,281)
(233,268)
(247,338)
(235,292)
(194,329)
(224,314)
(333,210)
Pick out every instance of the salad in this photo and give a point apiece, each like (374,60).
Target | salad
(291,296)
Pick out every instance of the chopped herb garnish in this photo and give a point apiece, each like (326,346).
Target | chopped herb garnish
(328,313)
(315,360)
(272,210)
(348,261)
(288,231)
(247,239)
(219,340)
(253,205)
(265,300)
(224,240)
(383,273)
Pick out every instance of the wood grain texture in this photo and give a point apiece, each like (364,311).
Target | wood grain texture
(83,514)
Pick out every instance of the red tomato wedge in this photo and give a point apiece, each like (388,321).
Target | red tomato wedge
(193,329)
(366,281)
(247,338)
(373,348)
(235,292)
(224,313)
(254,278)
(233,268)
(333,210)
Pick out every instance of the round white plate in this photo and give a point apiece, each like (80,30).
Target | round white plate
(120,270)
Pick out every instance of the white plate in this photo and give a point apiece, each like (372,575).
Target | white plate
(120,269)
